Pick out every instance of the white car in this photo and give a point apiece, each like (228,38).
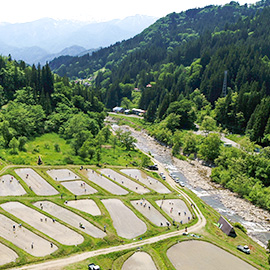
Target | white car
(244,249)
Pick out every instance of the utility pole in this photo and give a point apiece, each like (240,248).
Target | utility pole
(224,88)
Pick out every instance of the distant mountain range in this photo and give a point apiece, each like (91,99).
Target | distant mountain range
(45,39)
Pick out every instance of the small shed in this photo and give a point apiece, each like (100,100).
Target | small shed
(226,227)
(118,110)
(138,111)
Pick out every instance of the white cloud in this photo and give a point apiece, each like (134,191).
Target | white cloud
(102,10)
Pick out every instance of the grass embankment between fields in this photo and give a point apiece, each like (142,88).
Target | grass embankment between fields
(63,195)
(210,233)
(115,260)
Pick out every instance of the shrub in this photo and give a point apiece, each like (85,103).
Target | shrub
(57,147)
(240,226)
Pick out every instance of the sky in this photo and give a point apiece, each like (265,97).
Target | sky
(18,11)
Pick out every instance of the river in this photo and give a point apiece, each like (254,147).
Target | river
(259,231)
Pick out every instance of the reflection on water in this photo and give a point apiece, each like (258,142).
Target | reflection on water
(256,230)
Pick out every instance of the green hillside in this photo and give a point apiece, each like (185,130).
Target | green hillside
(184,52)
(56,116)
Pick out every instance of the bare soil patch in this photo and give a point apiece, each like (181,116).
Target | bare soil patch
(150,212)
(10,186)
(139,261)
(105,183)
(70,218)
(124,181)
(126,223)
(176,209)
(147,180)
(7,255)
(62,175)
(35,182)
(23,238)
(43,223)
(204,256)
(79,188)
(87,206)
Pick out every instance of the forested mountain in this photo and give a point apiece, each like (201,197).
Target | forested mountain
(187,51)
(167,33)
(175,70)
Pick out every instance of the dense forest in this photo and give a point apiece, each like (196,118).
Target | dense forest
(184,52)
(35,101)
(175,70)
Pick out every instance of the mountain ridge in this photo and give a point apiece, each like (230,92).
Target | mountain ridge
(166,33)
(52,36)
(185,52)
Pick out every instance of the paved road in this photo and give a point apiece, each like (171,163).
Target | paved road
(126,115)
(222,138)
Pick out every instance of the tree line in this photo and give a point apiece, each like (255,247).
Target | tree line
(35,101)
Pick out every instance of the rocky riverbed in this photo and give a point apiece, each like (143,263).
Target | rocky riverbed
(198,176)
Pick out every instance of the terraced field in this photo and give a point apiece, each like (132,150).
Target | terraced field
(52,209)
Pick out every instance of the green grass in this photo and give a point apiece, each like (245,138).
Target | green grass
(134,122)
(43,146)
(210,233)
(120,157)
(90,243)
(158,250)
(235,137)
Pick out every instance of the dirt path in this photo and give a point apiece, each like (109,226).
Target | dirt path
(60,263)
(198,175)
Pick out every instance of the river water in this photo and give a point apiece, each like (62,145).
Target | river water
(255,230)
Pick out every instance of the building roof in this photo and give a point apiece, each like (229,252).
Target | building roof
(225,226)
(138,110)
(118,109)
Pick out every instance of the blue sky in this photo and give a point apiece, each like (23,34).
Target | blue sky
(95,10)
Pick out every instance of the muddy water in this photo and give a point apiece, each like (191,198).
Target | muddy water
(257,230)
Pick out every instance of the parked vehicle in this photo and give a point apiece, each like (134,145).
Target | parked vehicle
(153,167)
(92,266)
(182,184)
(244,249)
